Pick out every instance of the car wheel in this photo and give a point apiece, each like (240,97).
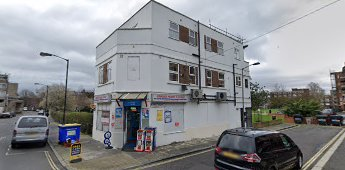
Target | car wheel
(44,144)
(299,162)
(14,146)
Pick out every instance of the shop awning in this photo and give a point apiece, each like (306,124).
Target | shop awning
(132,96)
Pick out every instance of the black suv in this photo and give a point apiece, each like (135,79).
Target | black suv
(244,148)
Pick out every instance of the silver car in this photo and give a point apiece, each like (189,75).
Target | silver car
(30,129)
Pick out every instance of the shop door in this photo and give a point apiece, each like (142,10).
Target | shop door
(133,123)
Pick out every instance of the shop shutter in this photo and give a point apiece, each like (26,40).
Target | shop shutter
(184,34)
(215,79)
(184,74)
(214,45)
(105,73)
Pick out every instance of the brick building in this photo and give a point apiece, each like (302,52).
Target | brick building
(9,99)
(338,89)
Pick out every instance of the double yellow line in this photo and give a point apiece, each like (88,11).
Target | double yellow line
(321,151)
(50,161)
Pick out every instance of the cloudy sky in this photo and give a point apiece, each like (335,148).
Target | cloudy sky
(302,52)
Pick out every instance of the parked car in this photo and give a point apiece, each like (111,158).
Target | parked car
(40,112)
(7,114)
(30,129)
(327,113)
(244,148)
(25,108)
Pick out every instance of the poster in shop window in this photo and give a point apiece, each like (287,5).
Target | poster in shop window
(167,116)
(118,113)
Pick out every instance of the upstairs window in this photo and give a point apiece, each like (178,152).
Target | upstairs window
(174,31)
(238,81)
(221,79)
(237,53)
(173,72)
(246,85)
(208,77)
(220,48)
(100,75)
(192,37)
(192,75)
(104,73)
(208,43)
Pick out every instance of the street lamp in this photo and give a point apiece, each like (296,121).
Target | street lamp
(244,123)
(43,54)
(46,95)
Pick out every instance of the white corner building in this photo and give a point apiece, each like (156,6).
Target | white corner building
(155,71)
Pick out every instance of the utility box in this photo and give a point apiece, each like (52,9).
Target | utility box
(69,133)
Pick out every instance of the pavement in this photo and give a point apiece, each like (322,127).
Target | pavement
(28,156)
(95,156)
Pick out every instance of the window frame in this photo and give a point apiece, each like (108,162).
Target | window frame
(208,77)
(100,74)
(220,49)
(175,31)
(237,53)
(208,44)
(246,83)
(221,80)
(238,80)
(109,68)
(174,72)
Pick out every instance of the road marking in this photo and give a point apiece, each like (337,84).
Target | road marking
(322,150)
(322,162)
(50,161)
(175,159)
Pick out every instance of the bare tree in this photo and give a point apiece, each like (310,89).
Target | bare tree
(279,87)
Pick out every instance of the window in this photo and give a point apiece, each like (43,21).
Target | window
(221,79)
(277,143)
(220,48)
(173,72)
(246,83)
(240,144)
(104,73)
(208,77)
(192,37)
(103,117)
(208,43)
(173,31)
(32,122)
(237,53)
(238,81)
(192,74)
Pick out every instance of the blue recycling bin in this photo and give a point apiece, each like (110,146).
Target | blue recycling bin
(69,132)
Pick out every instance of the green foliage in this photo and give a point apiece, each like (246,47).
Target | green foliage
(263,118)
(259,95)
(83,118)
(305,107)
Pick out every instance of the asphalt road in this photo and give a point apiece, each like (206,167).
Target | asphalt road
(28,157)
(309,138)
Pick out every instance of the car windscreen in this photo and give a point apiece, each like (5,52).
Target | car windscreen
(236,143)
(31,122)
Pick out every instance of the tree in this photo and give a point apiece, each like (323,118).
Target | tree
(316,91)
(305,107)
(56,98)
(259,95)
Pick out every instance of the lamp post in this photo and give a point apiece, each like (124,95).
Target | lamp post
(43,54)
(46,95)
(243,122)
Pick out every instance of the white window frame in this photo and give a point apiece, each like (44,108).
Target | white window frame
(191,74)
(223,79)
(173,31)
(246,83)
(238,81)
(237,53)
(109,71)
(220,46)
(208,44)
(208,77)
(192,37)
(174,72)
(100,75)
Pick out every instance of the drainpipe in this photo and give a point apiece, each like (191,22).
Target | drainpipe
(199,55)
(233,76)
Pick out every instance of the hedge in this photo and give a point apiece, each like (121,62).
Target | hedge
(83,118)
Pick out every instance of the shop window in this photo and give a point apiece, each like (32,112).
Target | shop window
(220,48)
(192,75)
(237,53)
(103,117)
(192,37)
(208,77)
(173,72)
(174,31)
(221,79)
(238,81)
(246,85)
(208,43)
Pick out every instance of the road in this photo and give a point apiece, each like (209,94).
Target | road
(309,138)
(28,157)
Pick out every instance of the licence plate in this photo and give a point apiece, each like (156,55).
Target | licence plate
(231,155)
